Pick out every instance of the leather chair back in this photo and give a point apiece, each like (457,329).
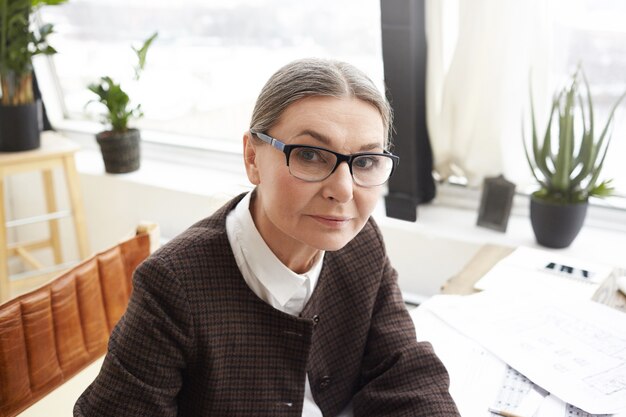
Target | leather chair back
(51,333)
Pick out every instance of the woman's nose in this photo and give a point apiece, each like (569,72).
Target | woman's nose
(339,185)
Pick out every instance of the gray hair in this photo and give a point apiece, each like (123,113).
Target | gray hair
(316,77)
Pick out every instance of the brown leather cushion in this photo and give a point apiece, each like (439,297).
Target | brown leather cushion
(49,334)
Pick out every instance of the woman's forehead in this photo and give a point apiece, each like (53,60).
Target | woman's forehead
(330,119)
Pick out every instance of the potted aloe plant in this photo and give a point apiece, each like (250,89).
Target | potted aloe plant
(119,144)
(567,162)
(19,111)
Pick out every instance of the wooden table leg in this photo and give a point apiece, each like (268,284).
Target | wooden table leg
(53,225)
(73,188)
(4,253)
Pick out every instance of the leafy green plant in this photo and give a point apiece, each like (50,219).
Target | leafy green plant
(18,44)
(115,99)
(567,167)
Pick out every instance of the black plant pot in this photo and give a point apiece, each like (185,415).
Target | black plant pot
(20,127)
(556,225)
(120,150)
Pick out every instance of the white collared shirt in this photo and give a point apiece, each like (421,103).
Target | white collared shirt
(269,278)
(264,273)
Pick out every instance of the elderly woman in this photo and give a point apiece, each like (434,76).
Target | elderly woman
(283,302)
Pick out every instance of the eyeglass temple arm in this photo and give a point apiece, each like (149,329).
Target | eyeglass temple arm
(268,139)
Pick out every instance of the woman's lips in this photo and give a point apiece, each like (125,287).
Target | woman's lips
(332,221)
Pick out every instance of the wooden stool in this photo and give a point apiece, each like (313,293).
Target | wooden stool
(56,151)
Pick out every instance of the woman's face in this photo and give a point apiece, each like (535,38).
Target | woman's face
(295,215)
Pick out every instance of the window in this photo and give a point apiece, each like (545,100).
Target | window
(211,57)
(592,32)
(482,56)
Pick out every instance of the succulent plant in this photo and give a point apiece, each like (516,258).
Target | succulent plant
(567,169)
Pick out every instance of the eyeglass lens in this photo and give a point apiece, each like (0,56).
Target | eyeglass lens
(311,164)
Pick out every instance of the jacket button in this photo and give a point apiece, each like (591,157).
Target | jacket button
(316,319)
(324,382)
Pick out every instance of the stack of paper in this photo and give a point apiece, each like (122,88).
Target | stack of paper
(466,360)
(573,349)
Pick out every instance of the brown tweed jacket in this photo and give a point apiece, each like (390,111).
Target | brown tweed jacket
(196,341)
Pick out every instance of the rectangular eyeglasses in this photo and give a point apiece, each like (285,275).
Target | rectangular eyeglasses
(313,163)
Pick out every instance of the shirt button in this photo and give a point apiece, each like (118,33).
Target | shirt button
(316,319)
(324,382)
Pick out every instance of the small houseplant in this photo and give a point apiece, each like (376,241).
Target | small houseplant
(567,162)
(120,144)
(19,111)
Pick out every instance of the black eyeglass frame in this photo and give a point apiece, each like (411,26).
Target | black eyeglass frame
(286,149)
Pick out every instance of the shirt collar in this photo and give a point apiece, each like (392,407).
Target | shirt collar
(279,280)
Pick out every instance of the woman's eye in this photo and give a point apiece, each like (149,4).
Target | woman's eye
(310,155)
(365,162)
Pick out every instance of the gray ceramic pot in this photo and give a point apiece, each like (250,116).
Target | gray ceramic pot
(556,225)
(20,127)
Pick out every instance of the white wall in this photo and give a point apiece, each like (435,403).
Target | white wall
(424,261)
(113,208)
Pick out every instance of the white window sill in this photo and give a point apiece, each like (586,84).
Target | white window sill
(602,238)
(181,177)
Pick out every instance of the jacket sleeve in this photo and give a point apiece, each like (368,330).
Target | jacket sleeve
(147,353)
(399,376)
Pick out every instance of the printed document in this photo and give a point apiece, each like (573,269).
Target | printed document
(466,361)
(574,349)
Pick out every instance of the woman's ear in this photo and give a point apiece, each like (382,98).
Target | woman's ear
(249,158)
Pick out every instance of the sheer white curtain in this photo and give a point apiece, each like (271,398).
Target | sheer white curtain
(480,56)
